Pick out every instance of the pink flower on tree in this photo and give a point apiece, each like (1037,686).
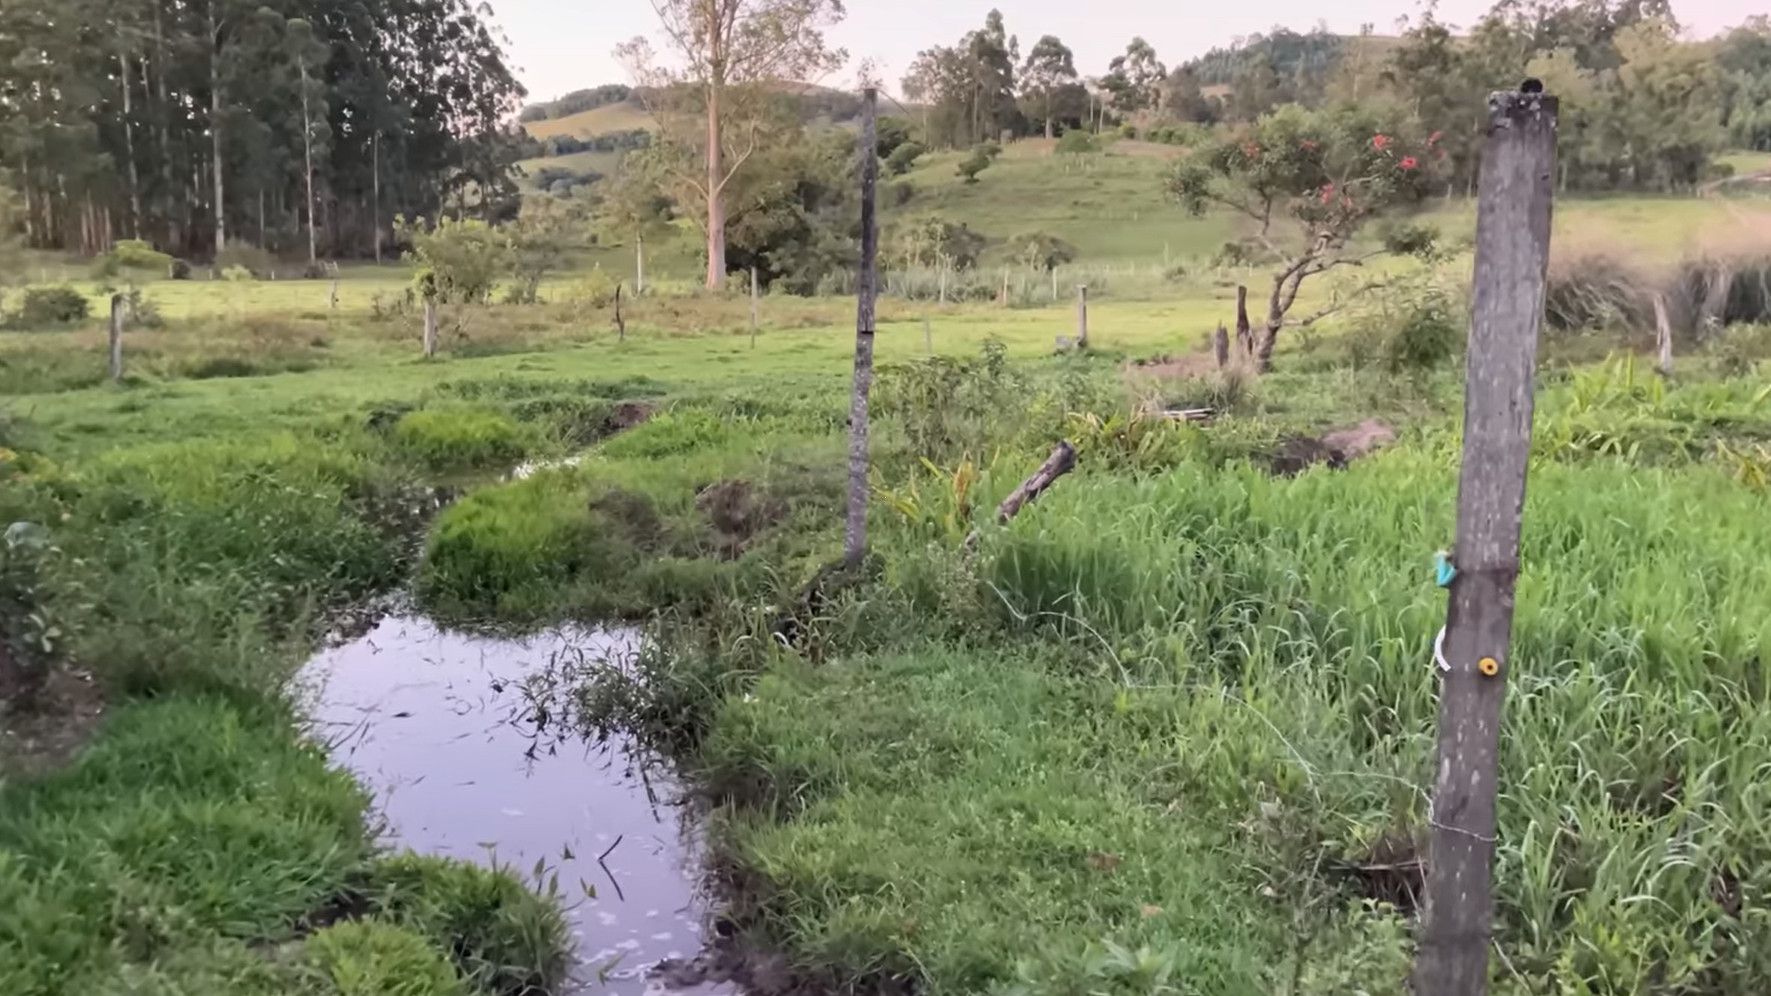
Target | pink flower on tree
(1307,145)
(1327,192)
(1408,163)
(1380,142)
(1434,138)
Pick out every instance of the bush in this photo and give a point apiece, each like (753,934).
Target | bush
(178,269)
(461,438)
(1426,333)
(1128,131)
(134,254)
(366,958)
(457,261)
(244,256)
(1077,142)
(972,165)
(903,157)
(55,305)
(596,289)
(900,193)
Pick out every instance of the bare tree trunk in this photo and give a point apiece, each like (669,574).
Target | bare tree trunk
(716,200)
(854,546)
(1512,255)
(129,148)
(620,323)
(430,328)
(174,230)
(1269,335)
(375,186)
(1220,346)
(215,131)
(1061,462)
(307,155)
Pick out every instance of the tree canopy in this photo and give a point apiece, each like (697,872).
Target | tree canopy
(182,121)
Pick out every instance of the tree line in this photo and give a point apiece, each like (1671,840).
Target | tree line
(1644,108)
(200,124)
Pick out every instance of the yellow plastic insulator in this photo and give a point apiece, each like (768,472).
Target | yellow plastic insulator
(1488,666)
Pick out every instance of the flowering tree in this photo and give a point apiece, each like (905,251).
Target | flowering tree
(1307,183)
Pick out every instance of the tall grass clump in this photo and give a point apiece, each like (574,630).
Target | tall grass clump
(456,439)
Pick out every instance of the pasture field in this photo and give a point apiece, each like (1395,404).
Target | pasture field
(1170,729)
(622,116)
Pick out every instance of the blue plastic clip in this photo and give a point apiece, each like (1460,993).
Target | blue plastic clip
(1443,569)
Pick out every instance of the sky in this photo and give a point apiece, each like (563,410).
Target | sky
(562,45)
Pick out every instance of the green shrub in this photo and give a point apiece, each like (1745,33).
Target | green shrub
(595,288)
(670,432)
(1425,334)
(1128,131)
(1596,290)
(1077,142)
(972,165)
(243,256)
(135,254)
(903,158)
(461,438)
(54,305)
(369,958)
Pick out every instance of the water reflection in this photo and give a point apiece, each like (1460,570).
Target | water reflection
(460,738)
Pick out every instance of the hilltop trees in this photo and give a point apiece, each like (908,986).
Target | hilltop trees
(192,122)
(1135,78)
(712,107)
(970,88)
(1049,87)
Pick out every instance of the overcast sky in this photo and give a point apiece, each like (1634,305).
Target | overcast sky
(562,45)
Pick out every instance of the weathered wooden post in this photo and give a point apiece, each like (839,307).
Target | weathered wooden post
(943,294)
(753,308)
(332,298)
(854,546)
(1002,298)
(639,263)
(928,336)
(1663,337)
(1081,316)
(430,328)
(621,323)
(117,305)
(1220,346)
(1054,272)
(1244,331)
(1512,253)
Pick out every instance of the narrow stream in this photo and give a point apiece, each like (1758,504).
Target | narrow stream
(439,727)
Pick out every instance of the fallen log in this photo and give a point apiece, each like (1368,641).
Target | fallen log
(1061,462)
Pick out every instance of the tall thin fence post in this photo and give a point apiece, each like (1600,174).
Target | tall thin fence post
(332,298)
(928,336)
(117,306)
(943,294)
(1244,331)
(1054,284)
(1081,316)
(854,546)
(1663,337)
(754,317)
(620,323)
(1512,254)
(430,328)
(639,264)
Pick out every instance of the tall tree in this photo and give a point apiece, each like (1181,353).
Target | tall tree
(1048,77)
(732,52)
(1135,78)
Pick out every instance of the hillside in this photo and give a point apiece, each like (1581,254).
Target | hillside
(625,115)
(816,103)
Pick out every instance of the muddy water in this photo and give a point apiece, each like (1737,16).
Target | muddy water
(465,762)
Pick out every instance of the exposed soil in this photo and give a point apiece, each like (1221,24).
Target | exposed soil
(62,716)
(738,513)
(1333,449)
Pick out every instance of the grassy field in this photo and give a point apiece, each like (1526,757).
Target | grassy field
(624,116)
(1169,730)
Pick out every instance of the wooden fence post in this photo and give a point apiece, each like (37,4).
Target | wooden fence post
(621,323)
(854,546)
(116,338)
(1054,285)
(1244,331)
(928,336)
(753,308)
(1081,316)
(1220,346)
(332,299)
(639,264)
(1663,337)
(430,328)
(1512,253)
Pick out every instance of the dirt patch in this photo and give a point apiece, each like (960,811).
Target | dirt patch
(1189,367)
(1333,449)
(1392,872)
(65,711)
(628,414)
(737,512)
(634,513)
